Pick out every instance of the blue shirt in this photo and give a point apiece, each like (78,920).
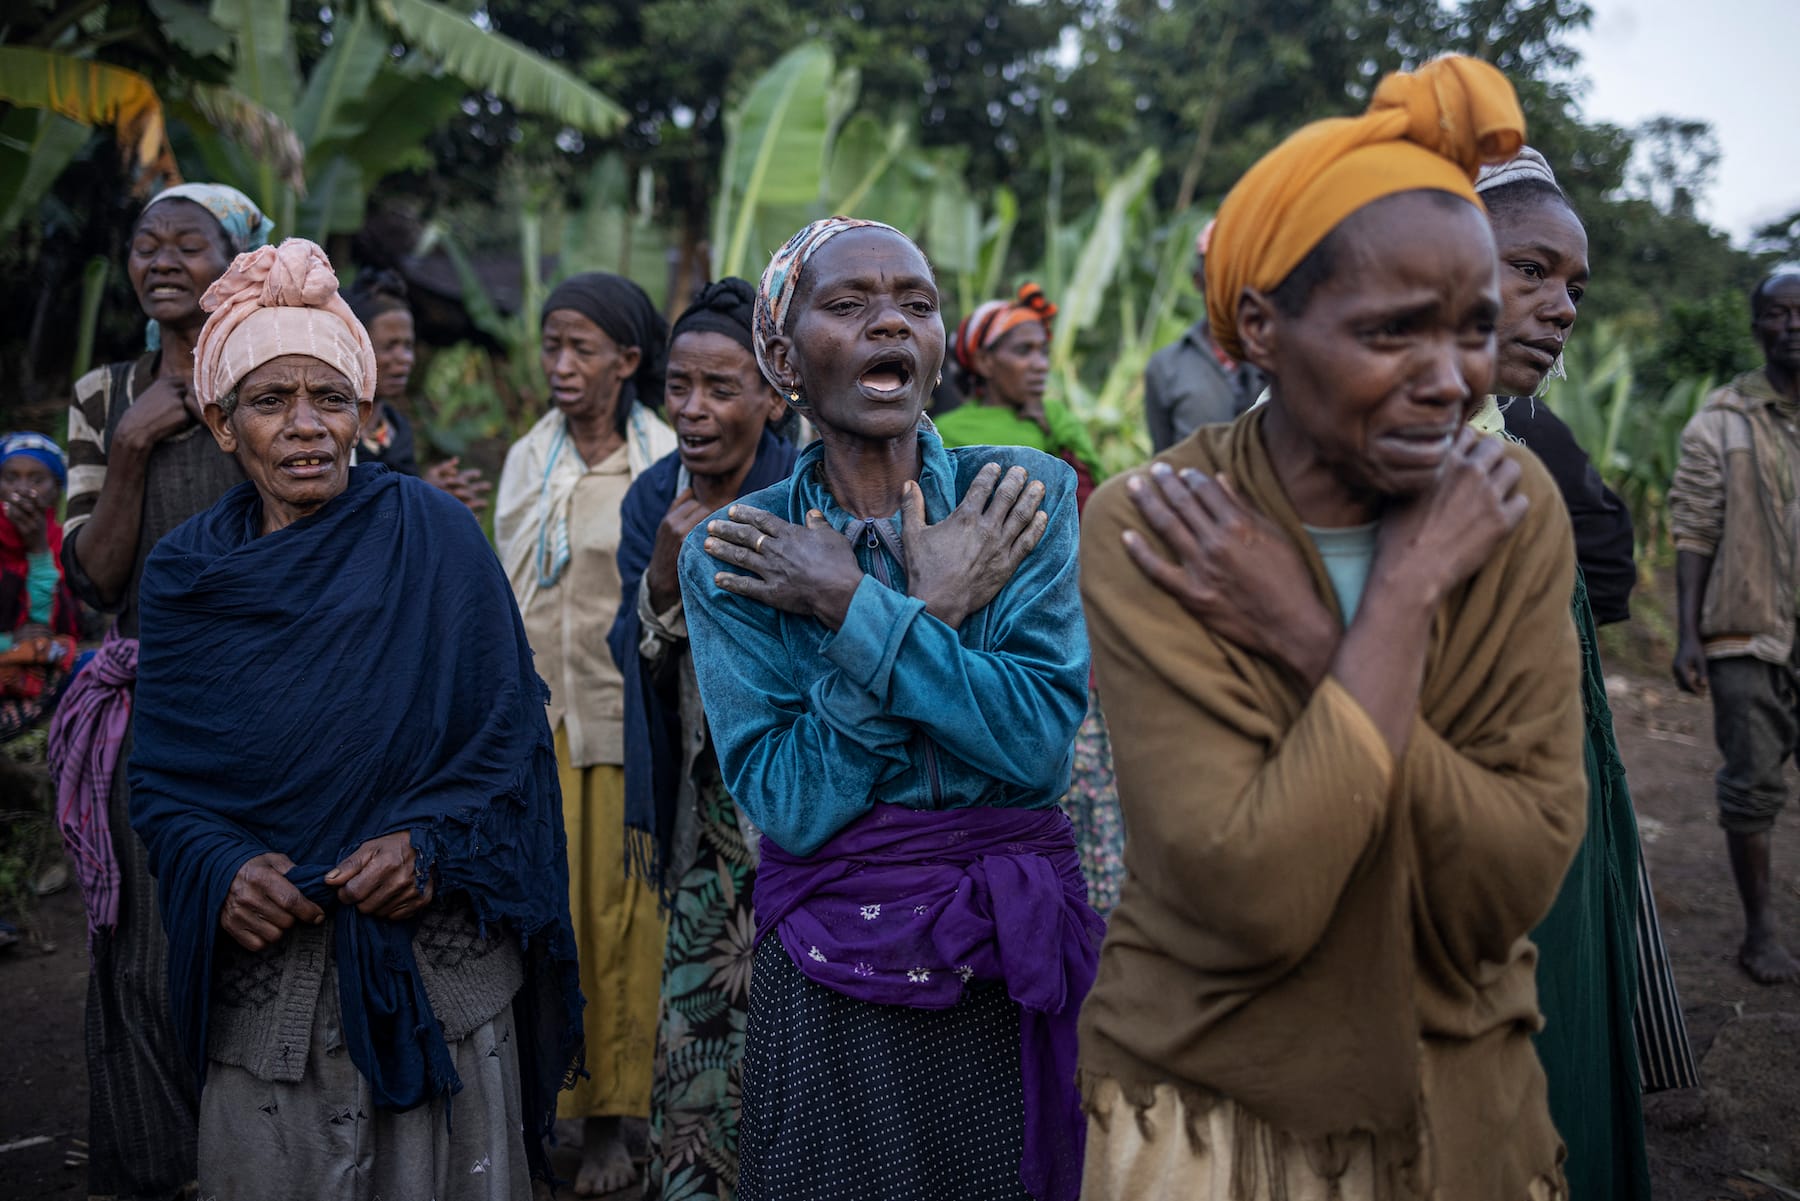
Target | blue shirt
(812,727)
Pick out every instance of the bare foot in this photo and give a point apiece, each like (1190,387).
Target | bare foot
(1767,961)
(606,1165)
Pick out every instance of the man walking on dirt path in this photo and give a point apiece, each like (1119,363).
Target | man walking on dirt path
(1735,513)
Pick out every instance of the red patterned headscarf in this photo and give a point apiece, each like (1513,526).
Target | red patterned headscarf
(994,320)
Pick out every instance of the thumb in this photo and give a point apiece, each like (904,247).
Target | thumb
(912,509)
(815,520)
(350,866)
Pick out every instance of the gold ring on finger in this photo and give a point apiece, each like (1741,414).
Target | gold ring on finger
(760,539)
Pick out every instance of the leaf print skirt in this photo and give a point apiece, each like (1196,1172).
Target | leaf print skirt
(694,1100)
(846,1098)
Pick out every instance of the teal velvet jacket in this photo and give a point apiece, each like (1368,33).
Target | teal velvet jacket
(813,727)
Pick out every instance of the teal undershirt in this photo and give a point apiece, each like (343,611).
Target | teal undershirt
(1347,551)
(40,592)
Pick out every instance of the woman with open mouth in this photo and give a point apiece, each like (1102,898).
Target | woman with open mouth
(140,464)
(1334,643)
(361,872)
(889,647)
(557,526)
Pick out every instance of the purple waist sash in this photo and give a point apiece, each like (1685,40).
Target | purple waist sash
(906,906)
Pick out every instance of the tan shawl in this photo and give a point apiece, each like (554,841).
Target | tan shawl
(1336,942)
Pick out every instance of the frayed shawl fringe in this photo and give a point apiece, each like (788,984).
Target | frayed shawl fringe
(1260,1153)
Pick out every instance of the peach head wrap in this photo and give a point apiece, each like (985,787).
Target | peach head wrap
(1429,130)
(274,301)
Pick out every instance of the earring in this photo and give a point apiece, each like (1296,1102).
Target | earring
(794,398)
(940,380)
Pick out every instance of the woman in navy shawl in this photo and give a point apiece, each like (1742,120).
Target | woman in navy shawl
(682,829)
(313,822)
(890,647)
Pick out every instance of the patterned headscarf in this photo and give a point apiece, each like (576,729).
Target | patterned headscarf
(1429,130)
(244,224)
(781,281)
(36,446)
(994,320)
(274,301)
(1526,166)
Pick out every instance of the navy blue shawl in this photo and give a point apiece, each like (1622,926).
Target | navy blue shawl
(653,716)
(360,672)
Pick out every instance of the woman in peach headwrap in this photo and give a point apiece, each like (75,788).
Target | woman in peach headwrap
(1334,647)
(361,872)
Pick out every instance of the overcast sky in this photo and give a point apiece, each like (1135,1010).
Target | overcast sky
(1729,62)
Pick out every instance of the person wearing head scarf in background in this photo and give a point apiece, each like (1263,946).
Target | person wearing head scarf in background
(683,831)
(140,464)
(557,526)
(362,873)
(39,617)
(1604,981)
(889,647)
(378,298)
(1191,383)
(1003,352)
(1333,640)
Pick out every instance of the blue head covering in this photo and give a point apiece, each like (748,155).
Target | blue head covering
(36,446)
(244,224)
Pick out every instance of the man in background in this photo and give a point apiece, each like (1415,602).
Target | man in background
(1191,383)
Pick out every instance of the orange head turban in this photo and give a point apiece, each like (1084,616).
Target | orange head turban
(1431,129)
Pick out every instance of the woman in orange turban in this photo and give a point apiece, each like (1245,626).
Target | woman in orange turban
(1344,708)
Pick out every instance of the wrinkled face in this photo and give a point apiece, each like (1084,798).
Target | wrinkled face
(295,422)
(1395,348)
(1776,322)
(392,334)
(865,339)
(21,476)
(1543,274)
(1017,366)
(177,250)
(718,402)
(584,367)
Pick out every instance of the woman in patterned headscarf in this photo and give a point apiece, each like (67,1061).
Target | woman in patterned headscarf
(1333,643)
(889,647)
(557,524)
(140,464)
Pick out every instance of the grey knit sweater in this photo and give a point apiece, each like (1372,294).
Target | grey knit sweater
(264,1003)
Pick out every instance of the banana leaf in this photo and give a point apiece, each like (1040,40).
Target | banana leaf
(1079,306)
(774,154)
(92,93)
(493,63)
(37,146)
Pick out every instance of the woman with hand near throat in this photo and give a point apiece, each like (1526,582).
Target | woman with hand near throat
(890,651)
(683,830)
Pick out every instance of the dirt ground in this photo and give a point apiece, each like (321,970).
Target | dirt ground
(1739,1140)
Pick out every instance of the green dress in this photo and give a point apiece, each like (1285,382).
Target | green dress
(976,424)
(1587,969)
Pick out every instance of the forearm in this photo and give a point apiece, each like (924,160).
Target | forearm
(1381,658)
(1692,571)
(107,548)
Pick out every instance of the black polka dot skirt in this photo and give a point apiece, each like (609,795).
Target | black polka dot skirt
(847,1100)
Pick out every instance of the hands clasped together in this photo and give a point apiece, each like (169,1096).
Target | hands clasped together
(955,566)
(378,879)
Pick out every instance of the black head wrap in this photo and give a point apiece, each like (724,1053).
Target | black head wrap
(374,293)
(723,307)
(626,314)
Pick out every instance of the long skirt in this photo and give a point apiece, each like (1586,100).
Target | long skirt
(619,935)
(1092,805)
(323,1139)
(843,1098)
(695,1101)
(1587,971)
(141,1095)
